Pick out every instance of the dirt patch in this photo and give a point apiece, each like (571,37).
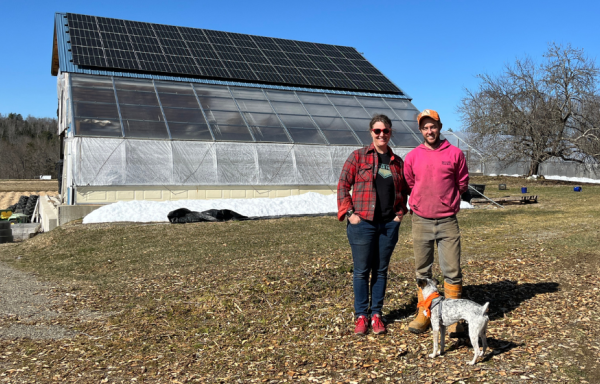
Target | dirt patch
(26,307)
(23,296)
(35,332)
(31,309)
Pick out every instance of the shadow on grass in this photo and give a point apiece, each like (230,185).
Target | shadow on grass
(504,297)
(403,312)
(495,346)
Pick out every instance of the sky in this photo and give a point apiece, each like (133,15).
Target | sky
(432,50)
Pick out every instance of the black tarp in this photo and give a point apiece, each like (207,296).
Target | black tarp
(184,215)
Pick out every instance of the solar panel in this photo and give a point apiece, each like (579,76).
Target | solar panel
(137,46)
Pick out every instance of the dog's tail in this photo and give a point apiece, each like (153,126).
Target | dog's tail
(484,309)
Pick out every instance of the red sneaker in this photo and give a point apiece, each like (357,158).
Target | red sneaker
(377,324)
(361,325)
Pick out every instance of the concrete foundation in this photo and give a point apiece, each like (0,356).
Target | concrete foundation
(67,213)
(22,232)
(49,214)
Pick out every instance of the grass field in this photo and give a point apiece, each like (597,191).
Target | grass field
(271,301)
(11,190)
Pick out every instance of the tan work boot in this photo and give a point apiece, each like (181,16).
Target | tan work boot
(421,322)
(454,291)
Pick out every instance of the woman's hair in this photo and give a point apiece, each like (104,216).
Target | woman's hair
(380,118)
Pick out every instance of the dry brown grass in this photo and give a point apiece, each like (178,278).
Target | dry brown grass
(12,190)
(28,185)
(270,301)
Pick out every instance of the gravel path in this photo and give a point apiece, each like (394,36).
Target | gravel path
(25,307)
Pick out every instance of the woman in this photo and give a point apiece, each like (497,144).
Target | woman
(374,212)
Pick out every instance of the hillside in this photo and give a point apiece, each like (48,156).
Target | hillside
(29,147)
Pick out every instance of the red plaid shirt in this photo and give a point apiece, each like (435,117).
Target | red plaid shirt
(359,173)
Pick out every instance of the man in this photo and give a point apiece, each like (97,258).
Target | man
(436,173)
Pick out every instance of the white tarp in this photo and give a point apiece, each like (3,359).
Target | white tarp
(108,161)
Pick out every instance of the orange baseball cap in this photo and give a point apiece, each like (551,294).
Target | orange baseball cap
(429,113)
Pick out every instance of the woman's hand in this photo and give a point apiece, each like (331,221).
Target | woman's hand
(354,219)
(397,219)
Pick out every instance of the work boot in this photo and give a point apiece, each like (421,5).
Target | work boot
(420,322)
(454,291)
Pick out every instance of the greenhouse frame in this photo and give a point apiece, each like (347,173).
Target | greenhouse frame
(156,135)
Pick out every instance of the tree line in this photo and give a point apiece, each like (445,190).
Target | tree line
(29,147)
(537,111)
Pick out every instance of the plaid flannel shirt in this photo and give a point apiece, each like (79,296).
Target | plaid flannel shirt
(359,173)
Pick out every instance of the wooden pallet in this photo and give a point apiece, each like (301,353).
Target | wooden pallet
(507,200)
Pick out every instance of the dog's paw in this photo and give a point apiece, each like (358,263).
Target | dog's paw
(433,355)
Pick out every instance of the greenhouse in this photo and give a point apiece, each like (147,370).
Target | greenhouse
(146,111)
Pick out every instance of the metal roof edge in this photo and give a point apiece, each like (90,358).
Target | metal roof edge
(54,64)
(65,58)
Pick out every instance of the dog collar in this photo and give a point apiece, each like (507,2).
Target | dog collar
(435,302)
(426,304)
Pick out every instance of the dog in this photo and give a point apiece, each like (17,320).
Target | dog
(445,312)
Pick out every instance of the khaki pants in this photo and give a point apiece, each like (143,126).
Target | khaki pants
(446,234)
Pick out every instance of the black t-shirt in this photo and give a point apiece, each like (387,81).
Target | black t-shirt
(384,186)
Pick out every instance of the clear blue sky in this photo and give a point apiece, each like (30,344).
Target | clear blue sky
(432,50)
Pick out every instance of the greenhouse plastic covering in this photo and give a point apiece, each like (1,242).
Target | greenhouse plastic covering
(105,106)
(63,92)
(105,162)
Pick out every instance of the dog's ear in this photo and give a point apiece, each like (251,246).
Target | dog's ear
(421,283)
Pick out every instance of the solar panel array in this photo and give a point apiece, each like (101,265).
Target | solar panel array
(137,46)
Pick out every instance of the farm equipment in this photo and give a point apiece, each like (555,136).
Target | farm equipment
(21,212)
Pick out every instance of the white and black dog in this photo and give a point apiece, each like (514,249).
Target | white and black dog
(445,312)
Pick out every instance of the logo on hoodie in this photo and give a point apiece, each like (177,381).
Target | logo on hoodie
(446,163)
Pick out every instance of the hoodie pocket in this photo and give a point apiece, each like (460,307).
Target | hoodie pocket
(448,200)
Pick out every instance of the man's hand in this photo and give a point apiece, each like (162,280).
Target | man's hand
(354,219)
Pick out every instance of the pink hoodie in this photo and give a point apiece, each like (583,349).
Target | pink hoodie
(436,178)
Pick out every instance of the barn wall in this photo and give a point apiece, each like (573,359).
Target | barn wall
(107,195)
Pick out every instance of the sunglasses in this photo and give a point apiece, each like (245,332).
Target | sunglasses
(377,131)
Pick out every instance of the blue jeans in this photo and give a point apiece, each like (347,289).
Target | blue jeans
(372,246)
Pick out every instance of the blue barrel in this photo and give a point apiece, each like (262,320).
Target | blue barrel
(523,189)
(577,189)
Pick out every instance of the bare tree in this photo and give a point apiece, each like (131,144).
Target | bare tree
(536,112)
